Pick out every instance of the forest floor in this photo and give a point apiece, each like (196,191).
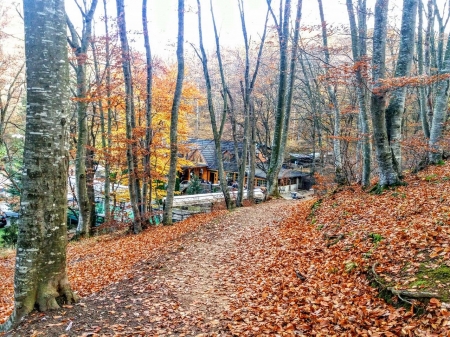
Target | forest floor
(349,264)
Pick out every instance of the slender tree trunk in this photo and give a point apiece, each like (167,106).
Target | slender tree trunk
(252,150)
(217,131)
(276,155)
(359,52)
(386,172)
(420,64)
(247,87)
(147,188)
(290,93)
(80,46)
(40,272)
(442,93)
(133,180)
(340,176)
(440,109)
(167,216)
(107,145)
(394,112)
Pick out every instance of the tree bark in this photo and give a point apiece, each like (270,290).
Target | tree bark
(247,87)
(442,94)
(359,53)
(276,156)
(133,179)
(80,46)
(394,112)
(421,71)
(339,172)
(167,216)
(40,272)
(106,143)
(147,188)
(386,172)
(217,131)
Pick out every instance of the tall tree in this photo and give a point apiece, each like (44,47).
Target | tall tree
(386,172)
(247,87)
(276,155)
(167,216)
(442,91)
(132,163)
(147,188)
(216,129)
(359,51)
(340,177)
(421,71)
(40,272)
(394,112)
(80,45)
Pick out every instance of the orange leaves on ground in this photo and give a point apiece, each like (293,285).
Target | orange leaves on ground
(100,261)
(313,276)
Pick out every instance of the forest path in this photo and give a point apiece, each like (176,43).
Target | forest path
(185,292)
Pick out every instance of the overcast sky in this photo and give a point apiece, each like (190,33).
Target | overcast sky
(162,17)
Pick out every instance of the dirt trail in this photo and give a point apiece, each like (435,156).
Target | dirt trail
(185,292)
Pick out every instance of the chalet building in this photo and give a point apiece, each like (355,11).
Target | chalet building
(204,160)
(204,165)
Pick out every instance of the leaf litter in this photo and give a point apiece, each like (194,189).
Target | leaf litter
(281,268)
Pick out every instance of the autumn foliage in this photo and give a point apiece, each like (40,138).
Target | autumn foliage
(335,266)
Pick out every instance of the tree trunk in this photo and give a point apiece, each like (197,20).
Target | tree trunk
(441,100)
(290,93)
(340,176)
(420,65)
(107,143)
(40,272)
(80,46)
(133,179)
(252,150)
(217,131)
(394,112)
(247,87)
(276,156)
(359,52)
(386,172)
(147,188)
(167,216)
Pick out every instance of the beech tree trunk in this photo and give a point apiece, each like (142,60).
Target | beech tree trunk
(386,172)
(106,137)
(133,179)
(421,71)
(394,112)
(247,90)
(358,35)
(441,96)
(167,215)
(147,184)
(292,66)
(217,131)
(40,272)
(339,172)
(80,45)
(276,156)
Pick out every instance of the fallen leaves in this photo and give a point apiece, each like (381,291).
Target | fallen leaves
(271,271)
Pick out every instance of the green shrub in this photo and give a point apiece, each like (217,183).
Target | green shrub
(9,236)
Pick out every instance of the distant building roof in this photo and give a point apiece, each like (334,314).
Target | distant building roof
(284,173)
(207,148)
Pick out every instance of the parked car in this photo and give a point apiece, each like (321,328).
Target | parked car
(184,184)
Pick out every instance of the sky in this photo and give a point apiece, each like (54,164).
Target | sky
(162,18)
